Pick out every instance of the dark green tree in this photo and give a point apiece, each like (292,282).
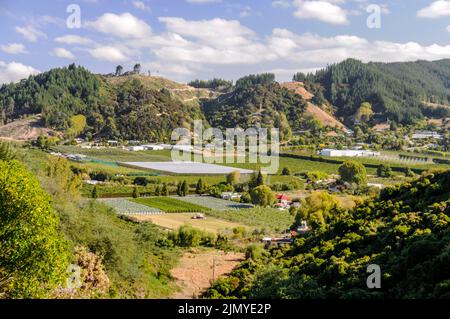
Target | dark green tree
(353,172)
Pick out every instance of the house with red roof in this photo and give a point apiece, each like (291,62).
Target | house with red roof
(283,201)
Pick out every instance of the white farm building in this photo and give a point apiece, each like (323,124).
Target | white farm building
(348,153)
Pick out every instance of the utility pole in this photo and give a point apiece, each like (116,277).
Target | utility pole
(214,267)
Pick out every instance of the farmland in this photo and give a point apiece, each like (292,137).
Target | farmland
(124,206)
(175,221)
(170,205)
(214,203)
(265,219)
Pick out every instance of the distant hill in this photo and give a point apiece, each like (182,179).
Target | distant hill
(257,101)
(126,107)
(397,91)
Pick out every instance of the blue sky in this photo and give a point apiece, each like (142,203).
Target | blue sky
(188,39)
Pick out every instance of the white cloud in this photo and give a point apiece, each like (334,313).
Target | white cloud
(123,25)
(324,11)
(73,39)
(448,28)
(312,49)
(141,6)
(14,72)
(435,10)
(30,33)
(62,53)
(109,54)
(216,41)
(14,48)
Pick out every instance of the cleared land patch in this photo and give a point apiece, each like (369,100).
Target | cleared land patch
(175,221)
(195,271)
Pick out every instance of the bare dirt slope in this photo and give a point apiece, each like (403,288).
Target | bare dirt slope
(326,118)
(195,271)
(25,130)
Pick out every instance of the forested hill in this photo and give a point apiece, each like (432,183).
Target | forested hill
(396,90)
(406,231)
(257,100)
(75,101)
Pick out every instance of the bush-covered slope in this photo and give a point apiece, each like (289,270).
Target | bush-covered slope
(256,101)
(406,231)
(396,90)
(128,109)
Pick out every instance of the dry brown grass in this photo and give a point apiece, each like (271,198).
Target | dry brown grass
(195,271)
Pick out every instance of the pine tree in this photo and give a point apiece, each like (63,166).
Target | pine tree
(165,190)
(158,191)
(135,192)
(184,188)
(200,189)
(94,193)
(179,193)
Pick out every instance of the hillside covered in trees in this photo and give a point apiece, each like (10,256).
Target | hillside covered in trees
(257,101)
(397,91)
(74,100)
(407,235)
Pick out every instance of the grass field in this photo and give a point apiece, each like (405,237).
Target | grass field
(175,221)
(170,205)
(268,219)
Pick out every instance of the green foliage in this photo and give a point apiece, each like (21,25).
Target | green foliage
(214,84)
(395,90)
(7,152)
(135,193)
(263,196)
(286,171)
(69,98)
(200,187)
(353,172)
(77,125)
(257,102)
(94,193)
(254,252)
(384,171)
(33,253)
(136,256)
(318,209)
(187,236)
(405,231)
(364,113)
(268,220)
(234,178)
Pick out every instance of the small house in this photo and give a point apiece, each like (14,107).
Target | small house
(283,201)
